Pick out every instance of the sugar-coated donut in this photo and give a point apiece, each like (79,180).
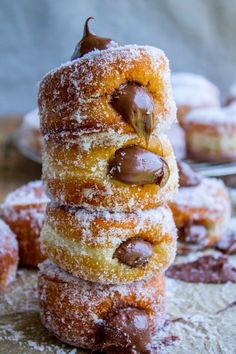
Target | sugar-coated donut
(8,255)
(201,213)
(76,171)
(23,211)
(109,247)
(29,135)
(210,134)
(193,91)
(77,95)
(86,314)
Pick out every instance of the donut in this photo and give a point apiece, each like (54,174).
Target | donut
(193,91)
(210,134)
(177,138)
(23,211)
(110,318)
(8,256)
(29,135)
(79,94)
(109,171)
(108,247)
(201,210)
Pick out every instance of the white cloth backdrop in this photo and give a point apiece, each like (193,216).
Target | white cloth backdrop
(37,35)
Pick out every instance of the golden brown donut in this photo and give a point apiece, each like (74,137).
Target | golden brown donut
(8,255)
(108,247)
(23,211)
(77,95)
(76,172)
(201,213)
(193,91)
(76,311)
(210,134)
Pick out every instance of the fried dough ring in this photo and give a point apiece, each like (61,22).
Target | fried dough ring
(208,205)
(85,244)
(75,172)
(77,95)
(71,308)
(23,211)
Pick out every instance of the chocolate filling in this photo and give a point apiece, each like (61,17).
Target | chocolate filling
(125,331)
(193,234)
(187,176)
(90,42)
(135,165)
(135,105)
(134,252)
(206,269)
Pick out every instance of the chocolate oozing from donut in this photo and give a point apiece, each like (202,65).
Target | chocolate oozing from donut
(90,42)
(135,165)
(206,269)
(134,252)
(187,176)
(126,331)
(136,106)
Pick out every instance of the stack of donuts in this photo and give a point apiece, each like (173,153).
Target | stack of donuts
(109,171)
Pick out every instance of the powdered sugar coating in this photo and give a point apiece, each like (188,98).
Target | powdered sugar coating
(87,304)
(30,193)
(84,243)
(88,85)
(7,238)
(210,195)
(223,117)
(194,91)
(8,255)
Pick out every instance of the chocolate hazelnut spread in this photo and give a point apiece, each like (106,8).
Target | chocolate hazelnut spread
(135,105)
(206,269)
(192,237)
(90,42)
(126,331)
(135,165)
(134,252)
(187,176)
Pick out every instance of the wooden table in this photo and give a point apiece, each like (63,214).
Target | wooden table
(15,169)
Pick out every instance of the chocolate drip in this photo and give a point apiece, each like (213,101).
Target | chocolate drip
(206,269)
(90,42)
(126,331)
(135,165)
(187,176)
(135,105)
(134,252)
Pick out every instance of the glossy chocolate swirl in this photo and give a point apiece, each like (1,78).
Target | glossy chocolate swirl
(134,252)
(90,42)
(206,269)
(135,105)
(187,176)
(126,331)
(135,165)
